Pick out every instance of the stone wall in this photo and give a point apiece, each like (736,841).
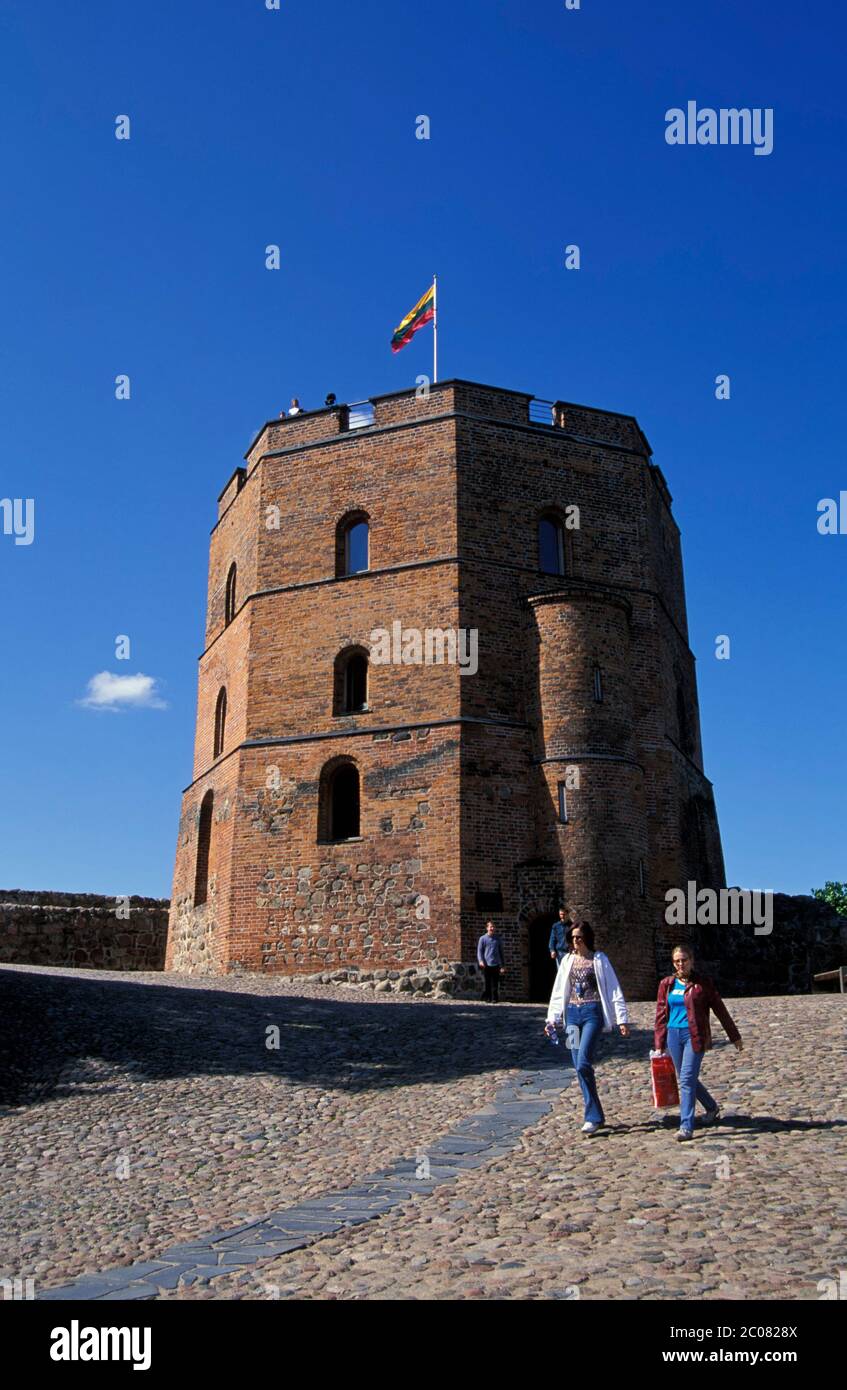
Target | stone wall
(82,930)
(808,938)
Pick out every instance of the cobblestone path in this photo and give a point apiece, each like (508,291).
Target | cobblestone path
(154,1146)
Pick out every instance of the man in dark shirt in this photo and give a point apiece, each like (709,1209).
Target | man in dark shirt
(489,954)
(559,945)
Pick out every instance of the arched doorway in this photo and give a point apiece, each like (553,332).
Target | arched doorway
(542,970)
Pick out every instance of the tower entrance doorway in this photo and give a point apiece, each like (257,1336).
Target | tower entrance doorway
(542,970)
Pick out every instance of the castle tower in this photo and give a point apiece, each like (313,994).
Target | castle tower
(352,810)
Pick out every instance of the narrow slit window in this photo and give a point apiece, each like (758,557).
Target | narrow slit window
(551,546)
(220,723)
(204,842)
(229,606)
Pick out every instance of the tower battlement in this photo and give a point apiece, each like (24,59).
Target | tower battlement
(413,405)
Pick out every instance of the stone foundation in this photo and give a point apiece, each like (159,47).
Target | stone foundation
(438,978)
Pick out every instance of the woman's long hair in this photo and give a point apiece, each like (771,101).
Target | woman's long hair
(587,932)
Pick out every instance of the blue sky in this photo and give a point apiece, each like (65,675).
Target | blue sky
(297,127)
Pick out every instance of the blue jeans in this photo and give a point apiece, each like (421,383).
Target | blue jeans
(586,1020)
(687,1063)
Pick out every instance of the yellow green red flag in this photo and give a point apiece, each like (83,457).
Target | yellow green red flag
(423,312)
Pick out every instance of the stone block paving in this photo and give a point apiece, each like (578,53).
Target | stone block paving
(483,1183)
(138,1112)
(753,1208)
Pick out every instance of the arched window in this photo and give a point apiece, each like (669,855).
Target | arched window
(338,807)
(229,604)
(220,723)
(204,842)
(350,685)
(551,545)
(352,544)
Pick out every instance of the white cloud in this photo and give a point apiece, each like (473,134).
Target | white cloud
(116,693)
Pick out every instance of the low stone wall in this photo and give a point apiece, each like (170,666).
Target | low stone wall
(808,937)
(82,930)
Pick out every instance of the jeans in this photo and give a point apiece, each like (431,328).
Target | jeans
(687,1063)
(586,1021)
(492,984)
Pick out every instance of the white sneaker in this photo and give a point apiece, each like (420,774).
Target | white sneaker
(589,1127)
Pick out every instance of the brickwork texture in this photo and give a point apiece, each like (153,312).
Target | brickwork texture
(585,678)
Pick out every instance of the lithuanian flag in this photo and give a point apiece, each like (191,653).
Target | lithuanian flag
(423,312)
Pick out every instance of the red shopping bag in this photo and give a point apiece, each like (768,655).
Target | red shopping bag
(663,1079)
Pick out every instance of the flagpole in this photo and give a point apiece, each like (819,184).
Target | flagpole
(434,328)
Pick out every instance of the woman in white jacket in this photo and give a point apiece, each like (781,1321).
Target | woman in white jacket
(586,1000)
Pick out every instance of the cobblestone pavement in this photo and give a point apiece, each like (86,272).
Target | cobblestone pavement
(145,1121)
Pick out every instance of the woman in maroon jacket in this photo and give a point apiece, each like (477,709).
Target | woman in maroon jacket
(682,1028)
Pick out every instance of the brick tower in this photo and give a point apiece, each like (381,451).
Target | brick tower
(352,811)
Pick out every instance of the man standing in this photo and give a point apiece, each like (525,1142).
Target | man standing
(558,945)
(489,954)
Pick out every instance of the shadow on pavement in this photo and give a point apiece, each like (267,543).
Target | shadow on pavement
(61,1033)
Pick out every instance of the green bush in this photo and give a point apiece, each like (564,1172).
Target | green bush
(835,894)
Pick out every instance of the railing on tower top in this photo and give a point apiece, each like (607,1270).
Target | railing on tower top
(542,412)
(361,415)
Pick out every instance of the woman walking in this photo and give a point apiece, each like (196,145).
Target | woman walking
(587,1000)
(682,1029)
